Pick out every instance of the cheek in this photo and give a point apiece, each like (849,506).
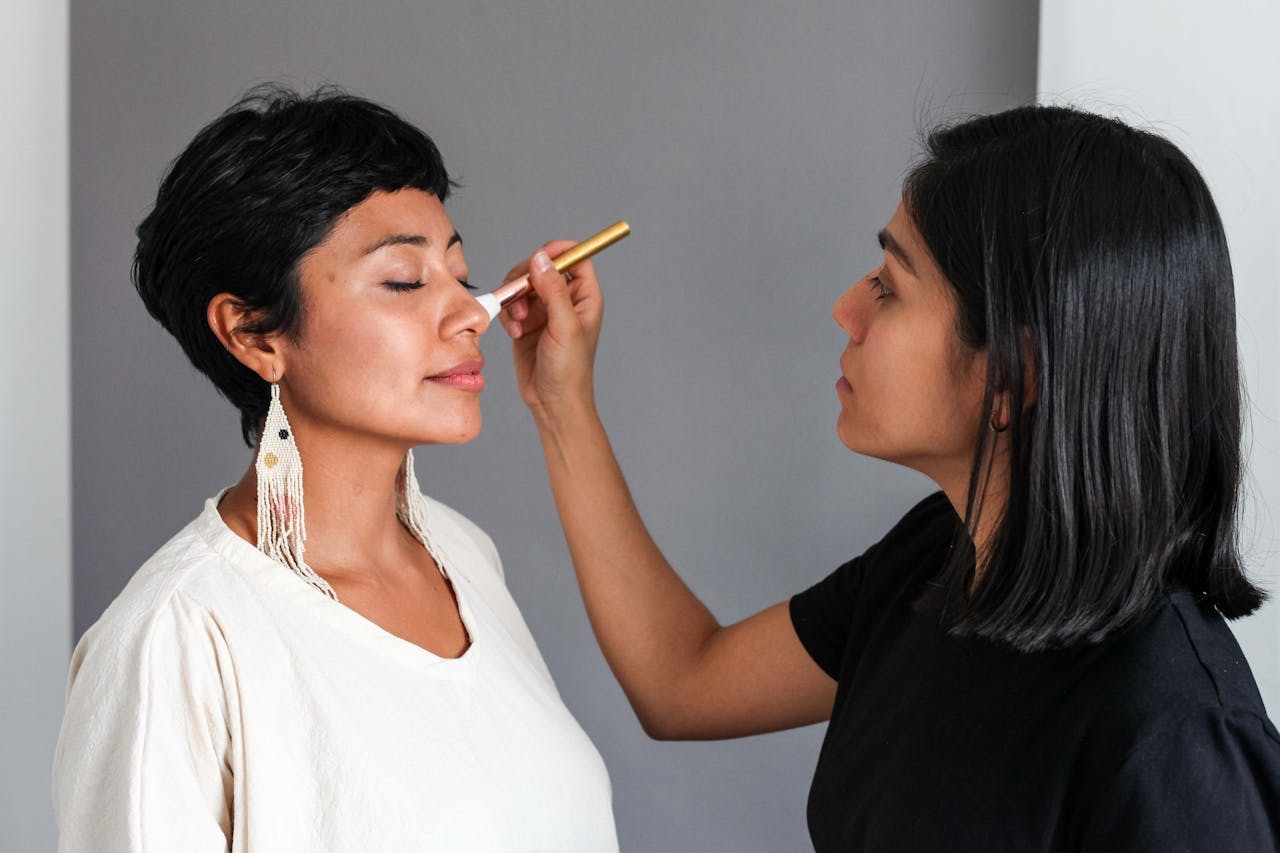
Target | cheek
(918,369)
(379,330)
(358,355)
(954,402)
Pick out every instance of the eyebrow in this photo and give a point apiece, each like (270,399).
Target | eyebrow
(409,240)
(889,244)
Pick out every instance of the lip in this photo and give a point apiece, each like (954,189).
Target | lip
(843,385)
(474,365)
(464,374)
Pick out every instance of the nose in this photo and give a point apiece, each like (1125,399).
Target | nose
(463,314)
(850,311)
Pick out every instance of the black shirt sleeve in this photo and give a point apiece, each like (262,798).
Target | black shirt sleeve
(822,614)
(1206,782)
(825,615)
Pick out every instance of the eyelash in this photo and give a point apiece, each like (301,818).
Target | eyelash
(406,286)
(884,291)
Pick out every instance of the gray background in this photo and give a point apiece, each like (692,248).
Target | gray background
(755,148)
(35,429)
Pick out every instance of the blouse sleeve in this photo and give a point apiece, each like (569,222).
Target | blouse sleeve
(1209,782)
(827,616)
(143,757)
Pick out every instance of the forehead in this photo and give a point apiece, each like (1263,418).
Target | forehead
(904,231)
(405,212)
(923,289)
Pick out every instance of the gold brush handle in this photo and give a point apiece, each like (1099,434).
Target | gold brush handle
(591,245)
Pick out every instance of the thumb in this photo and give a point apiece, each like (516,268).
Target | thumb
(553,290)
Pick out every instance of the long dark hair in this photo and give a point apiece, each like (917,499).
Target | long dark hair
(1095,250)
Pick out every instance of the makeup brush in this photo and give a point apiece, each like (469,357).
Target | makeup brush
(494,301)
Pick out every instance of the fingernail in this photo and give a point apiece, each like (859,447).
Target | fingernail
(541,262)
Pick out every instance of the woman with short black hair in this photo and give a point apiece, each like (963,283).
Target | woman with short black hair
(361,679)
(1035,657)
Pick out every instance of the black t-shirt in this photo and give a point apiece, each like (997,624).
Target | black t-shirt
(1155,739)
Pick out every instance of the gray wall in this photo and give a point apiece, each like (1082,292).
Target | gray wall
(35,416)
(755,148)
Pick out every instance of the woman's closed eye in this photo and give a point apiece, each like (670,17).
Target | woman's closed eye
(404,286)
(875,283)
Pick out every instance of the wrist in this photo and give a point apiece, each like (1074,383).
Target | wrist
(554,417)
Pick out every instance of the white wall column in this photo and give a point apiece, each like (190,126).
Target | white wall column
(35,447)
(1204,75)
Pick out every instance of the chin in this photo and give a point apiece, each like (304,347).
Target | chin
(445,425)
(855,446)
(461,434)
(857,441)
(848,436)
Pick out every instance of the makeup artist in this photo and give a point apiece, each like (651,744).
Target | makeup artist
(1035,657)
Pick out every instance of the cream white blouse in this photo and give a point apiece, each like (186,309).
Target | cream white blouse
(221,703)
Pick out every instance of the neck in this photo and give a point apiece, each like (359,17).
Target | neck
(990,498)
(349,500)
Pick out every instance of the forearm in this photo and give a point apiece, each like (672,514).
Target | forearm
(649,624)
(686,676)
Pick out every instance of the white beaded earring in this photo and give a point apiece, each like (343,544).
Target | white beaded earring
(282,524)
(411,506)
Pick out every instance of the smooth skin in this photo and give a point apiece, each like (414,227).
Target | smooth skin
(911,393)
(385,309)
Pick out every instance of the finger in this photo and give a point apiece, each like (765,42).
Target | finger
(552,247)
(582,280)
(527,311)
(535,314)
(509,314)
(517,271)
(555,248)
(553,290)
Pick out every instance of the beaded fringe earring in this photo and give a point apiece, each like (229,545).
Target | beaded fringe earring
(282,525)
(411,506)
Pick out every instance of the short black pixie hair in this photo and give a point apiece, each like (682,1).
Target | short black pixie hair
(1094,249)
(253,192)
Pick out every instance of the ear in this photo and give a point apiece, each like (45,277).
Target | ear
(999,419)
(1030,386)
(229,319)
